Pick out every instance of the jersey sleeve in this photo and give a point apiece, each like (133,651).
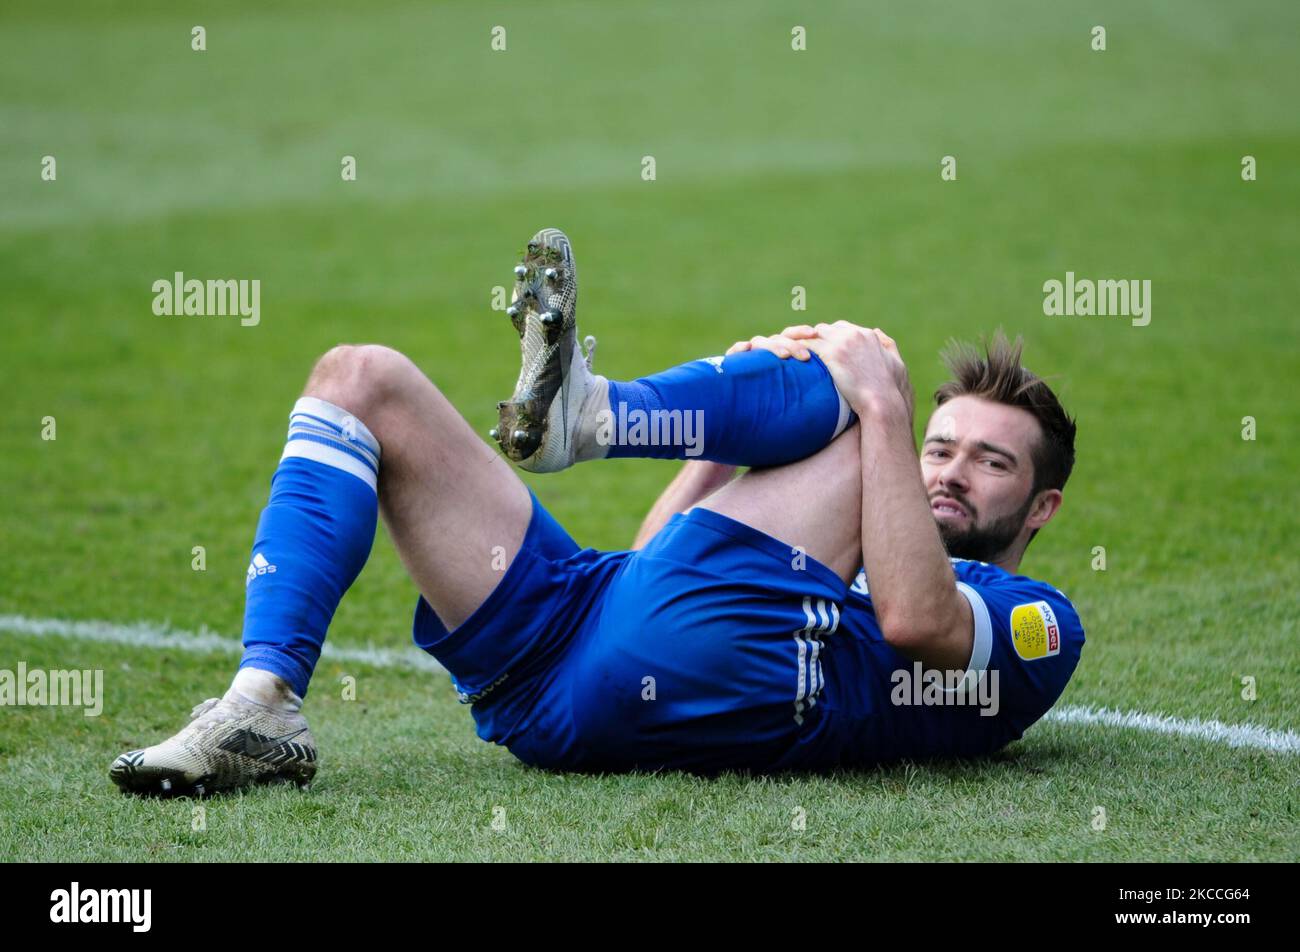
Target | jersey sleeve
(1028,637)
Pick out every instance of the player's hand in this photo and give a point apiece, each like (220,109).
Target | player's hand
(865,364)
(791,342)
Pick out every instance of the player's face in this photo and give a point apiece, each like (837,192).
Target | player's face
(978,471)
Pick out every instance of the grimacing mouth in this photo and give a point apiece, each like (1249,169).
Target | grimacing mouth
(964,506)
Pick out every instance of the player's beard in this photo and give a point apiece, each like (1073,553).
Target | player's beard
(983,542)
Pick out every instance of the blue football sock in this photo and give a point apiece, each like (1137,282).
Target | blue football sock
(314,536)
(748,409)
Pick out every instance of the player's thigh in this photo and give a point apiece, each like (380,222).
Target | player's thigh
(814,505)
(459,530)
(454,508)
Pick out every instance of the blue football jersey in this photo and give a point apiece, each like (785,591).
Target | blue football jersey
(1027,643)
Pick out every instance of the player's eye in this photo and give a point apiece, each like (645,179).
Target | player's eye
(997,464)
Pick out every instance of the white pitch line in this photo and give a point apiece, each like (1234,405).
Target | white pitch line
(206,641)
(1234,735)
(203,641)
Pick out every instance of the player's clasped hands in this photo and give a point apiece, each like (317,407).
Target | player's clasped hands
(791,342)
(864,361)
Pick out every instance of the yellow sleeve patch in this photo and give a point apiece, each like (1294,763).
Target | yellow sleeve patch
(1034,631)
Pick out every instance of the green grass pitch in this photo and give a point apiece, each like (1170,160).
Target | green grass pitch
(774,168)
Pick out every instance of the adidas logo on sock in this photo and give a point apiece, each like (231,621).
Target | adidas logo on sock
(259,566)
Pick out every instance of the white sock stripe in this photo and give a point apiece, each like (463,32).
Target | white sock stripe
(330,456)
(344,446)
(345,421)
(301,425)
(841,424)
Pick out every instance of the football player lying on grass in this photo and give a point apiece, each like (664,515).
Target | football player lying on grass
(842,603)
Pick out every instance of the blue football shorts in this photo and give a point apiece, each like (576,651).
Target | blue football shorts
(702,651)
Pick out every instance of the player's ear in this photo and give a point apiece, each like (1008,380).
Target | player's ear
(1046,504)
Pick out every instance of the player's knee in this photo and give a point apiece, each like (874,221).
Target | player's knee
(361,377)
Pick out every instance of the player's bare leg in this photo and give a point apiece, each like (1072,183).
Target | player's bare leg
(447,498)
(815,503)
(453,507)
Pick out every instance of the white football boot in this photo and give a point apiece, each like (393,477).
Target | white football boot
(547,425)
(230,742)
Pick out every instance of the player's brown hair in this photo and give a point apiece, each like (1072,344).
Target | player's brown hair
(996,375)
